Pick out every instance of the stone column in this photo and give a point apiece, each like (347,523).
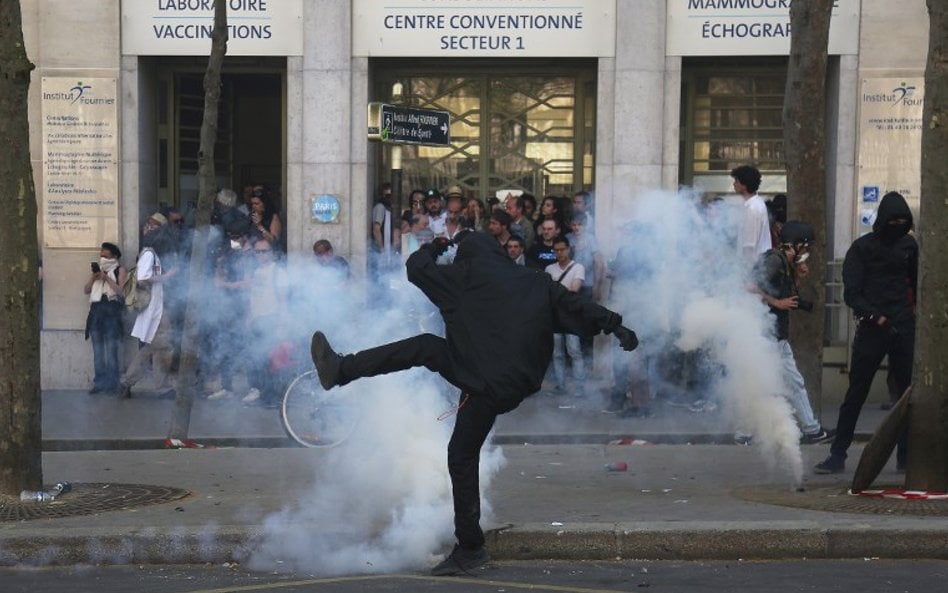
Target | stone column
(631,112)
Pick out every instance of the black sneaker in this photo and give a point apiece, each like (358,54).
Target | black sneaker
(461,560)
(326,360)
(830,465)
(821,436)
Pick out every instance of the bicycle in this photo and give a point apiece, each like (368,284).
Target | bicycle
(314,417)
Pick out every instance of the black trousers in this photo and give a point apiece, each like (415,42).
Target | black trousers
(475,418)
(870,345)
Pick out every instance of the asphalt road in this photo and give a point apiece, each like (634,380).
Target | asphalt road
(865,576)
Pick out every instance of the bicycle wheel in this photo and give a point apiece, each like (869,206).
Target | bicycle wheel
(313,417)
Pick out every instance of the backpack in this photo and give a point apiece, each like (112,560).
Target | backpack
(137,297)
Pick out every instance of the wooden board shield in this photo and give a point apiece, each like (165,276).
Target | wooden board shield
(880,446)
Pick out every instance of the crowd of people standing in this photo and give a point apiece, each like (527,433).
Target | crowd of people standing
(248,336)
(246,343)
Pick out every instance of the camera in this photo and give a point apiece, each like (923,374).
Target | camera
(95,267)
(804,305)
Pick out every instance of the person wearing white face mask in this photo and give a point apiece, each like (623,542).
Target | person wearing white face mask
(104,323)
(775,274)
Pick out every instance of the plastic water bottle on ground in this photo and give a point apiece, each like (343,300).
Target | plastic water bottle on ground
(37,496)
(45,495)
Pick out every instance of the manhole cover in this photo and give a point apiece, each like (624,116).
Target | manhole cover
(837,499)
(89,499)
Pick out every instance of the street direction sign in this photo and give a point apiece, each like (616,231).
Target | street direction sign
(408,125)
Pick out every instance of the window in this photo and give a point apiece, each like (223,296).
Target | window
(513,125)
(732,114)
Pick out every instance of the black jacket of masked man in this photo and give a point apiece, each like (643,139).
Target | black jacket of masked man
(499,322)
(500,318)
(880,272)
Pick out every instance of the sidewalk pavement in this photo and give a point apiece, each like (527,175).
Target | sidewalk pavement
(680,498)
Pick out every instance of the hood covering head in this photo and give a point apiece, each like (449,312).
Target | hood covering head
(892,207)
(481,247)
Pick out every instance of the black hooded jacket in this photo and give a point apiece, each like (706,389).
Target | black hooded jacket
(880,272)
(500,318)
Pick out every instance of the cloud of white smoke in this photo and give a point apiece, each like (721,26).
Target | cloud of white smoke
(682,286)
(381,500)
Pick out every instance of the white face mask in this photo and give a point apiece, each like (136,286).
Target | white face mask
(234,244)
(108,264)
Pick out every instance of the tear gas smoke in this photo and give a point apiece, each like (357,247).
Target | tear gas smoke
(680,283)
(381,500)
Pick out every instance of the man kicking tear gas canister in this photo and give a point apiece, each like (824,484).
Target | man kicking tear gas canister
(482,292)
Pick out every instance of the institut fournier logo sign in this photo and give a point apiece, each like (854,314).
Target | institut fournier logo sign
(83,94)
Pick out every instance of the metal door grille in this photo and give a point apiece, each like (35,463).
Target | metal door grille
(513,129)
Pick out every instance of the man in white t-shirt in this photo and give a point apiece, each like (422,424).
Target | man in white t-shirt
(753,234)
(571,275)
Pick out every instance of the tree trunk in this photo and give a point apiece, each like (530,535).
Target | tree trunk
(927,467)
(804,139)
(187,382)
(21,445)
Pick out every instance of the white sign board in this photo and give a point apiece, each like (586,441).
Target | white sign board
(183,27)
(80,161)
(890,145)
(749,28)
(474,28)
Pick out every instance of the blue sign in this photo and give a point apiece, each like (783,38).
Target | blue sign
(325,208)
(870,193)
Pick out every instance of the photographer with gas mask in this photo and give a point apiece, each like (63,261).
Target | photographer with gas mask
(776,273)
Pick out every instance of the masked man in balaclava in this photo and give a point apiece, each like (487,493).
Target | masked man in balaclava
(880,275)
(482,292)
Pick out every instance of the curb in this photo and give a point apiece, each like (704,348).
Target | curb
(277,442)
(148,546)
(148,444)
(714,541)
(594,541)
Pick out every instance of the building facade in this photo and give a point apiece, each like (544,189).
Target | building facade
(552,97)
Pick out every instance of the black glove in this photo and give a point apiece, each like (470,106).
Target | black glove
(437,246)
(627,338)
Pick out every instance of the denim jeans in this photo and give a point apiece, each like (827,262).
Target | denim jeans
(796,390)
(105,333)
(564,344)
